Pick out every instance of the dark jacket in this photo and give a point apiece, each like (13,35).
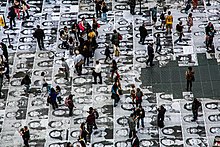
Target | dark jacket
(104,9)
(143,31)
(39,34)
(26,80)
(90,119)
(12,13)
(115,39)
(135,142)
(140,113)
(150,50)
(196,104)
(132,3)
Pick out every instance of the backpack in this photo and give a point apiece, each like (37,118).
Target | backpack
(162,16)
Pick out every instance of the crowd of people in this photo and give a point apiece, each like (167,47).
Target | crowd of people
(80,40)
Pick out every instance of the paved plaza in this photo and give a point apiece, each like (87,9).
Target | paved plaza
(162,84)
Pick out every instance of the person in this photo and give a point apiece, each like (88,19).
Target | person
(143,33)
(189,22)
(98,6)
(69,104)
(58,92)
(75,30)
(189,78)
(160,117)
(97,73)
(25,7)
(179,29)
(150,54)
(66,69)
(53,98)
(104,11)
(79,61)
(95,26)
(141,114)
(107,53)
(71,43)
(11,16)
(188,6)
(94,111)
(2,70)
(43,81)
(139,94)
(133,93)
(26,136)
(210,32)
(90,120)
(162,19)
(131,125)
(115,41)
(169,22)
(135,141)
(195,3)
(26,81)
(5,50)
(83,133)
(64,36)
(114,69)
(158,44)
(154,14)
(16,6)
(39,34)
(132,4)
(195,107)
(115,93)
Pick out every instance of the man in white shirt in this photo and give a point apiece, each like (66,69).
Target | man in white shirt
(65,69)
(79,60)
(97,72)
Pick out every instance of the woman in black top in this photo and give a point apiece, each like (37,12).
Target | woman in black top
(114,69)
(104,11)
(75,30)
(11,16)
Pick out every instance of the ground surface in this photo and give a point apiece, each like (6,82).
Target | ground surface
(162,84)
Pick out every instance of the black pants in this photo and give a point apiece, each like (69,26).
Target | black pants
(12,19)
(150,59)
(132,8)
(195,114)
(142,39)
(70,111)
(107,56)
(89,128)
(209,42)
(40,42)
(116,99)
(160,122)
(98,13)
(78,69)
(54,104)
(189,85)
(26,143)
(97,75)
(26,13)
(86,61)
(131,133)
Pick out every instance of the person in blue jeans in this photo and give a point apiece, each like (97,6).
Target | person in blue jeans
(115,93)
(141,114)
(104,11)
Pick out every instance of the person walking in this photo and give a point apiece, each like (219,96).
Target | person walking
(58,92)
(75,30)
(97,73)
(65,69)
(189,78)
(141,114)
(132,125)
(69,104)
(79,61)
(16,6)
(53,98)
(132,4)
(169,23)
(107,53)
(114,69)
(12,16)
(210,33)
(90,123)
(116,37)
(150,54)
(179,30)
(195,107)
(154,14)
(158,44)
(143,33)
(115,93)
(83,133)
(139,94)
(189,22)
(98,7)
(39,34)
(163,20)
(160,117)
(24,132)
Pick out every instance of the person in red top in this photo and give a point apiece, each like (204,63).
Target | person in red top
(90,123)
(69,104)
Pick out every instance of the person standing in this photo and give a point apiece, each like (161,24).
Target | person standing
(189,22)
(195,107)
(139,94)
(79,61)
(162,19)
(115,41)
(97,73)
(154,14)
(210,33)
(90,123)
(115,93)
(150,54)
(53,98)
(114,69)
(107,53)
(104,11)
(11,16)
(158,43)
(160,117)
(83,133)
(132,4)
(26,81)
(75,30)
(98,6)
(16,6)
(143,33)
(132,124)
(66,69)
(135,141)
(169,22)
(39,34)
(141,114)
(69,104)
(179,29)
(25,8)
(189,78)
